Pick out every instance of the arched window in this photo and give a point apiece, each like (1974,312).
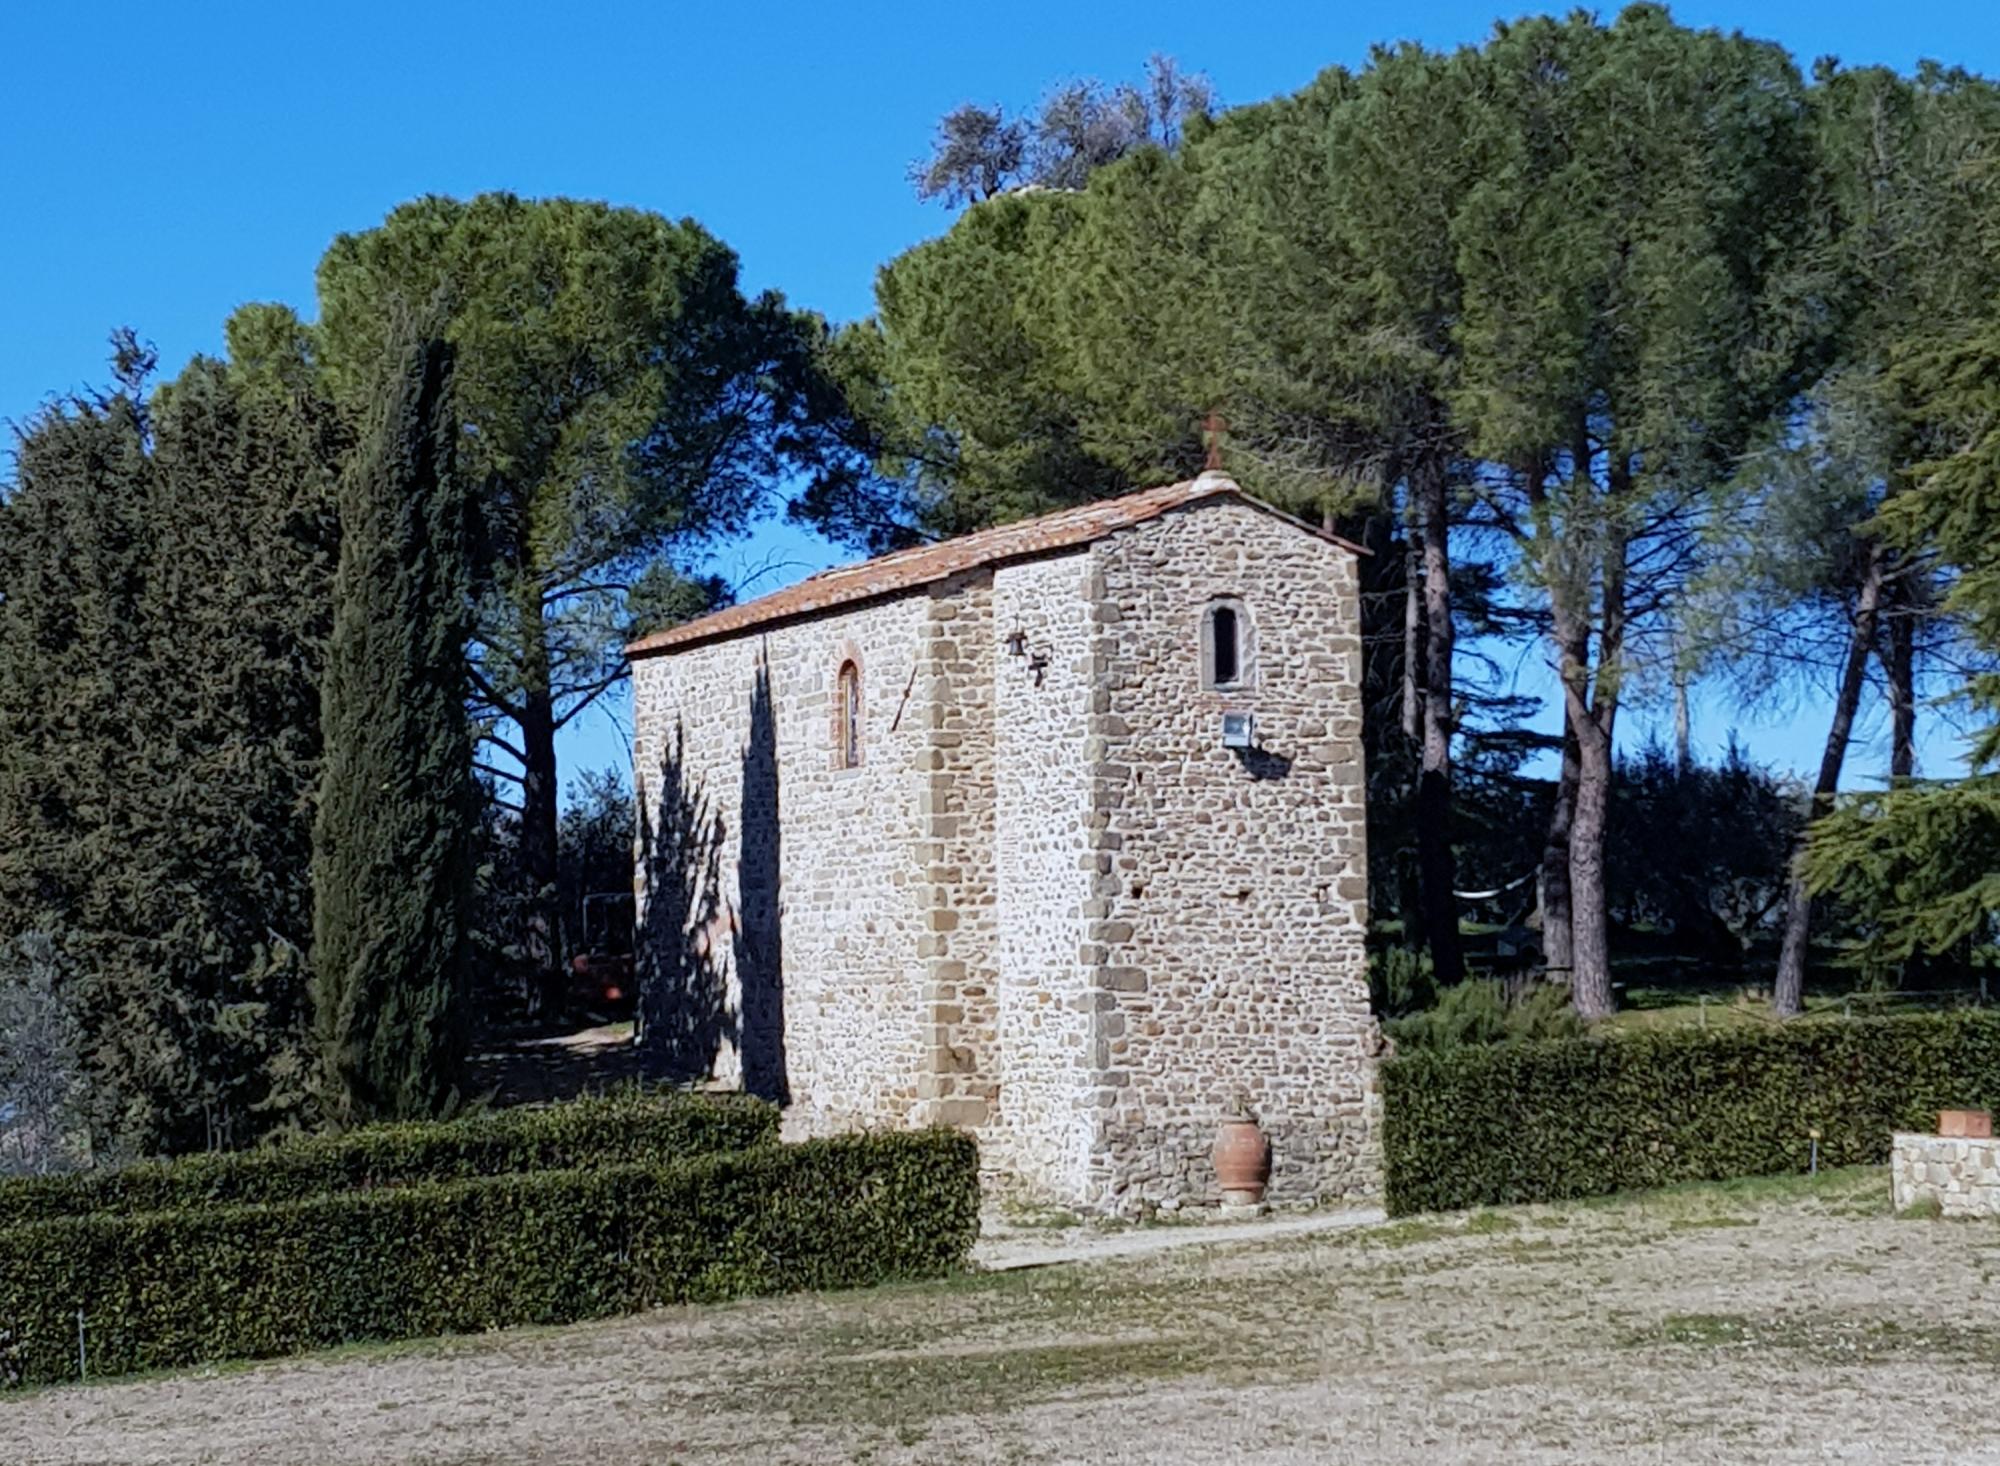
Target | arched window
(1222,646)
(847,717)
(1225,645)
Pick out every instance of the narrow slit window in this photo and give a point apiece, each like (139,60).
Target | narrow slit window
(1226,645)
(847,726)
(1222,630)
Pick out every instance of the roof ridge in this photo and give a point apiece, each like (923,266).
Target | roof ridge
(919,565)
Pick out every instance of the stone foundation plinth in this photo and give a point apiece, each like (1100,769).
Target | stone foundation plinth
(1961,1175)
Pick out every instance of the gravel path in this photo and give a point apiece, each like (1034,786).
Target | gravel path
(1002,1248)
(1764,1323)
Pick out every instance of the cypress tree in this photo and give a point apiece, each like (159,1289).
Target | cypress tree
(70,579)
(165,573)
(237,597)
(392,845)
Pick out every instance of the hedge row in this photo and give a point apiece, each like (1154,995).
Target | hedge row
(167,1289)
(630,1127)
(1547,1121)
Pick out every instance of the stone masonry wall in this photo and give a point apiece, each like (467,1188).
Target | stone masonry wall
(956,802)
(1229,898)
(821,997)
(1047,1015)
(1961,1175)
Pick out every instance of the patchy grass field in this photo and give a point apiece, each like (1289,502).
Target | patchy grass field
(1758,1321)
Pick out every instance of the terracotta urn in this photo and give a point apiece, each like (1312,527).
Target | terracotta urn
(1242,1160)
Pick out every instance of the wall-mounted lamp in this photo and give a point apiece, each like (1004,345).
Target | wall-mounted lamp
(1017,642)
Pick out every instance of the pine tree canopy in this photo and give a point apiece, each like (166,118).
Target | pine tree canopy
(1921,862)
(623,402)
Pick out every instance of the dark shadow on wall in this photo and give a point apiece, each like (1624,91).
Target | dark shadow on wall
(759,936)
(684,1017)
(1263,765)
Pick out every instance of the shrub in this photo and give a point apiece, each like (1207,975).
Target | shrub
(1400,980)
(1546,1121)
(1477,1011)
(42,1122)
(632,1126)
(166,1289)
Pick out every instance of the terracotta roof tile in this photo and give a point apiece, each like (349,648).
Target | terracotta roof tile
(905,570)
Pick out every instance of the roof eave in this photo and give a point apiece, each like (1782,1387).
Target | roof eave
(689,635)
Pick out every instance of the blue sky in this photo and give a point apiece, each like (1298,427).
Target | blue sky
(162,164)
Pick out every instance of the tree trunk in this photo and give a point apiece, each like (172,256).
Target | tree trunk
(1590,947)
(1413,628)
(1788,993)
(1683,722)
(1439,870)
(538,793)
(1899,663)
(1558,954)
(1553,893)
(1592,705)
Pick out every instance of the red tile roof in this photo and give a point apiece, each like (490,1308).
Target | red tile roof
(904,570)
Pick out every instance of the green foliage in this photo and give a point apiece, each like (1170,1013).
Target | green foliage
(980,414)
(393,843)
(1062,345)
(628,1128)
(1400,980)
(1907,256)
(594,841)
(1952,389)
(623,402)
(608,367)
(1915,869)
(1701,852)
(1918,862)
(164,577)
(1633,185)
(1081,127)
(1547,1121)
(1549,271)
(165,1289)
(1478,1011)
(596,838)
(43,1126)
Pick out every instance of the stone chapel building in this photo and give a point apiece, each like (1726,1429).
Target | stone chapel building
(1053,832)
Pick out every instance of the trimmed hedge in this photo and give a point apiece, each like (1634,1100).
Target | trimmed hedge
(176,1288)
(625,1128)
(1549,1121)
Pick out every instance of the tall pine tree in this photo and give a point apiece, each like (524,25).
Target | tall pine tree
(392,848)
(1920,862)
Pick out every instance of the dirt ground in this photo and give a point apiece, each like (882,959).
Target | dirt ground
(1785,1321)
(561,1062)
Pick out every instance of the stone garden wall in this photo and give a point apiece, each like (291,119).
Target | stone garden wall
(1962,1176)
